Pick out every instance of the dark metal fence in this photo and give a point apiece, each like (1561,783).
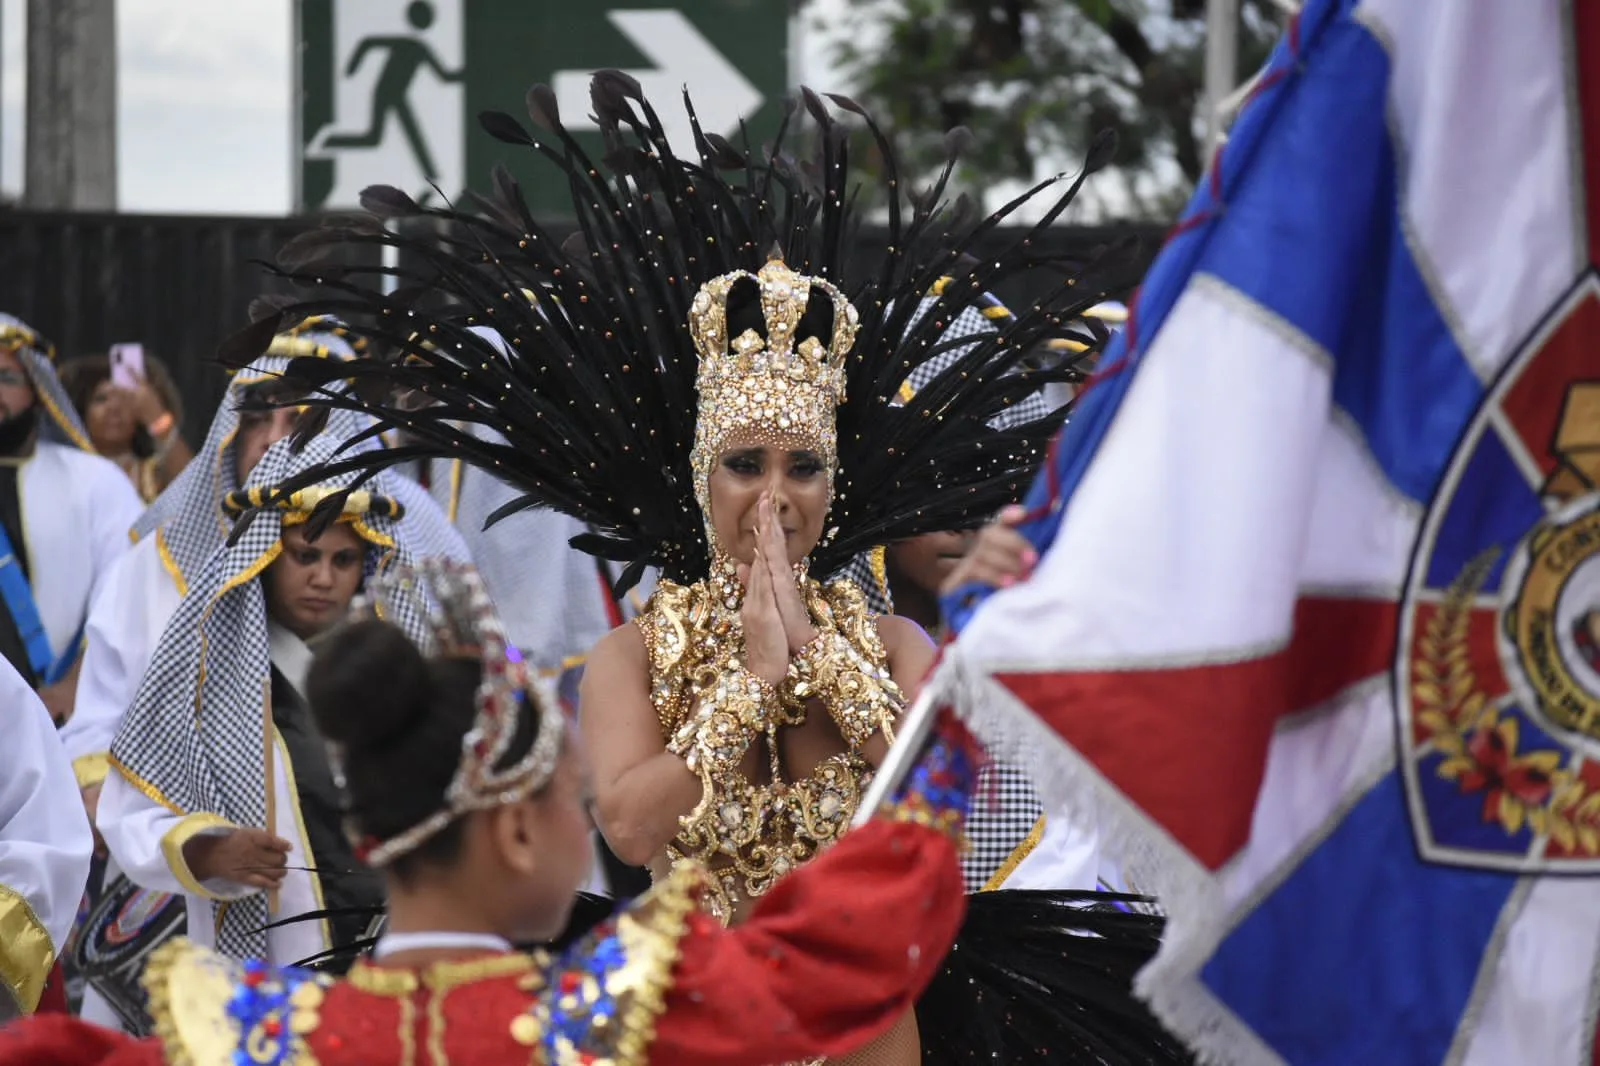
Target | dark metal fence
(180,284)
(177,285)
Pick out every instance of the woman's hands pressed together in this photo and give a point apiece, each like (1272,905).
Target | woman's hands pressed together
(776,623)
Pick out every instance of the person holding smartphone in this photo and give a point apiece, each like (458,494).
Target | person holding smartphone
(132,410)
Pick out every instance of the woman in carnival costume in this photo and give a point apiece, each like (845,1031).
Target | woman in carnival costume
(706,381)
(467,790)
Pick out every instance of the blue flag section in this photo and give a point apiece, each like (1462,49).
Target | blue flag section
(1316,626)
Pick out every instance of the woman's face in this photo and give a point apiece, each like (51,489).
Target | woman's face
(109,419)
(310,584)
(798,482)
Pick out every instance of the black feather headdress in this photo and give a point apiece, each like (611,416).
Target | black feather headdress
(575,355)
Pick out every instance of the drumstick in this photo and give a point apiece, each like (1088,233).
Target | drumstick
(272,784)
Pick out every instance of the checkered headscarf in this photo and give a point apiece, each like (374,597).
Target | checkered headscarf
(187,517)
(60,421)
(194,737)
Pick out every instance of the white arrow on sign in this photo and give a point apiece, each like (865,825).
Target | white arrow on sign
(682,57)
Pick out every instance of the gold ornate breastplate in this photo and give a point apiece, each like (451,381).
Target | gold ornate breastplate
(748,834)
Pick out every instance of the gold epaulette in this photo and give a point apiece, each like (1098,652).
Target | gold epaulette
(209,1009)
(606,993)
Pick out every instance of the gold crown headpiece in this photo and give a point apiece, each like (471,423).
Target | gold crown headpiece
(779,388)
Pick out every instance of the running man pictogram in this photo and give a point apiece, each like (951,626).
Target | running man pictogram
(391,95)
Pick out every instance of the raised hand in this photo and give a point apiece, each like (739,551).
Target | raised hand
(999,556)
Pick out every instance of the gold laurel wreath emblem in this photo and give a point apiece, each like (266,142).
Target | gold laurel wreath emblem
(1479,745)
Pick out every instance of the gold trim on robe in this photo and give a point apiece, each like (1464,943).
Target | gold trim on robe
(172,842)
(26,951)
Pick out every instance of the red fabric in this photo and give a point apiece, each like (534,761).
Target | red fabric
(61,1040)
(1198,772)
(53,999)
(828,960)
(1586,36)
(363,1029)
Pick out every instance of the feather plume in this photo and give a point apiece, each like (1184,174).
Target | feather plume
(1045,977)
(577,354)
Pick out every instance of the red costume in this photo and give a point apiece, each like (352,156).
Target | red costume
(830,958)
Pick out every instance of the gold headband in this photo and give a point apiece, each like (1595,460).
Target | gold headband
(15,336)
(359,503)
(782,388)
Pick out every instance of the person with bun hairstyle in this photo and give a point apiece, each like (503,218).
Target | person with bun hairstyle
(467,787)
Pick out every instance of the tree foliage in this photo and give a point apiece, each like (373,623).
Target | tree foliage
(1036,79)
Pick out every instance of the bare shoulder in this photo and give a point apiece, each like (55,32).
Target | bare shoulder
(909,651)
(617,663)
(901,634)
(621,647)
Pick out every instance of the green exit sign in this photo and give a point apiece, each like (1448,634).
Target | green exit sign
(390,90)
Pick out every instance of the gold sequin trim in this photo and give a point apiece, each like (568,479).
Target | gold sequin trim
(1018,853)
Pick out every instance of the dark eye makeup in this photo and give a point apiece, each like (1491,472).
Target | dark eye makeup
(750,462)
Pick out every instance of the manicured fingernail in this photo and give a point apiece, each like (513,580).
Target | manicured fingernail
(1030,558)
(1007,581)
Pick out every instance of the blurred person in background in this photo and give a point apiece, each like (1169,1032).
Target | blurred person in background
(135,427)
(64,519)
(44,853)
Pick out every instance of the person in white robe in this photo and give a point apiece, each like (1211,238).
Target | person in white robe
(176,536)
(220,789)
(178,532)
(45,847)
(64,518)
(555,601)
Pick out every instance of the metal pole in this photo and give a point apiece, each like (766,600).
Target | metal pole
(2,99)
(1222,65)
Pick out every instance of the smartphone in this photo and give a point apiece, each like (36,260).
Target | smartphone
(127,366)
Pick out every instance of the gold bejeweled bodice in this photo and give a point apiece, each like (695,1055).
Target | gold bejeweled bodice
(755,831)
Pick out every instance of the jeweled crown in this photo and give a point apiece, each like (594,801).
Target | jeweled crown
(779,387)
(785,295)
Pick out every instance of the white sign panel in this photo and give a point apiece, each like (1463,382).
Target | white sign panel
(399,102)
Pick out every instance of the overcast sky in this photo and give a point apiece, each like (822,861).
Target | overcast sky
(205,90)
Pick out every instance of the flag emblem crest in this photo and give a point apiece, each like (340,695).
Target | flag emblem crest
(1499,678)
